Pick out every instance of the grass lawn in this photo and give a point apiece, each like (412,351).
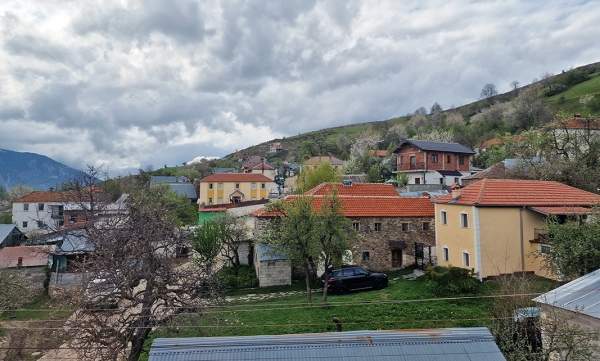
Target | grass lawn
(291,314)
(41,308)
(570,98)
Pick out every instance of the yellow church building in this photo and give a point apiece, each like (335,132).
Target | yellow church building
(225,188)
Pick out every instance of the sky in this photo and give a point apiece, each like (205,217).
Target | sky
(132,84)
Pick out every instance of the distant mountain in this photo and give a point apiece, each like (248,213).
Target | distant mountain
(33,170)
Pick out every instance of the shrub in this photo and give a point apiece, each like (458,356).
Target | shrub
(452,280)
(245,278)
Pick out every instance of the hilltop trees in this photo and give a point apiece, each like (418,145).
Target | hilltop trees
(488,90)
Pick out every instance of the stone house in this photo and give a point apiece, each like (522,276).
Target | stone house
(393,232)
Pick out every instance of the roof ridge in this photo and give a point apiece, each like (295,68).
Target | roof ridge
(481,191)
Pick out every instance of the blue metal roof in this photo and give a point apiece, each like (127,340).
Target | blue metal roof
(452,344)
(581,295)
(266,253)
(70,242)
(437,146)
(5,231)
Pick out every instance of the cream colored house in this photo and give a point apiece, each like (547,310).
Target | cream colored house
(497,226)
(224,188)
(313,162)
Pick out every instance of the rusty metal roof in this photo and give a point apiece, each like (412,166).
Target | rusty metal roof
(451,344)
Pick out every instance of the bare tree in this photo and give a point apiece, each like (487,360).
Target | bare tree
(514,84)
(134,269)
(488,90)
(14,290)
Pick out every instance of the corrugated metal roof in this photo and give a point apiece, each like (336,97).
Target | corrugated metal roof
(438,146)
(455,344)
(186,190)
(581,295)
(266,253)
(5,231)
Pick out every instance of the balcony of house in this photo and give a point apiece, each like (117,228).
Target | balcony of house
(410,166)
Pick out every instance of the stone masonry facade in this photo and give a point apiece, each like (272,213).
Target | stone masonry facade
(388,243)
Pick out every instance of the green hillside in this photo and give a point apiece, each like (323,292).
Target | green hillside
(477,121)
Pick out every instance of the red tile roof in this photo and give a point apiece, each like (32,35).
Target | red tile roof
(567,211)
(31,256)
(263,165)
(369,206)
(356,189)
(47,196)
(580,123)
(516,192)
(236,177)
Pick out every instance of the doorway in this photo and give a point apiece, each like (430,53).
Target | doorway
(396,258)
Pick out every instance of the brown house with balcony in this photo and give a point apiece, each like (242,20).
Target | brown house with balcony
(427,162)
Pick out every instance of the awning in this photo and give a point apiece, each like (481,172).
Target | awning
(562,211)
(450,173)
(397,244)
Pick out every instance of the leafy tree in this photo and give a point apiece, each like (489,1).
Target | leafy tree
(186,212)
(574,247)
(5,218)
(334,232)
(374,175)
(295,233)
(19,191)
(436,108)
(310,178)
(420,111)
(488,90)
(207,241)
(402,179)
(3,193)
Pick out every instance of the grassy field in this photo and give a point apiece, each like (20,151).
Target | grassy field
(392,308)
(568,101)
(40,309)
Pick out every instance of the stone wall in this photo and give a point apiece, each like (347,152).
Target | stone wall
(34,277)
(379,244)
(274,273)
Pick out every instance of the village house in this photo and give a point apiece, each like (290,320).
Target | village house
(498,226)
(576,303)
(258,165)
(314,162)
(276,147)
(392,231)
(427,162)
(224,188)
(181,186)
(29,262)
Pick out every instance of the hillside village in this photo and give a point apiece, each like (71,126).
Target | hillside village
(299,180)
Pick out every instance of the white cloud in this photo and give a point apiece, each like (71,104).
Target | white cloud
(147,82)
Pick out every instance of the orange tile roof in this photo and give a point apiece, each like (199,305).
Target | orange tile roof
(491,142)
(47,196)
(516,192)
(580,123)
(356,189)
(565,210)
(31,256)
(369,206)
(236,177)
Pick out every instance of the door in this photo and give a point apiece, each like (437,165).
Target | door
(396,258)
(419,255)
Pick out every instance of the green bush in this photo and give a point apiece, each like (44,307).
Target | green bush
(245,278)
(445,281)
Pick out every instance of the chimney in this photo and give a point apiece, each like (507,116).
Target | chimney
(455,191)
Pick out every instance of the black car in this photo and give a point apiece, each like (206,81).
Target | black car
(353,278)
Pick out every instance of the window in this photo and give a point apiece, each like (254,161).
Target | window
(365,256)
(26,207)
(359,272)
(40,224)
(444,216)
(426,226)
(442,181)
(210,186)
(545,248)
(262,186)
(20,262)
(466,260)
(446,254)
(461,159)
(25,224)
(356,226)
(404,227)
(219,185)
(464,220)
(434,158)
(40,206)
(253,186)
(417,180)
(400,160)
(73,219)
(413,161)
(210,200)
(237,186)
(456,180)
(377,226)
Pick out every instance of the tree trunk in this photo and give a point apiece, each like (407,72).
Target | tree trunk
(307,278)
(325,287)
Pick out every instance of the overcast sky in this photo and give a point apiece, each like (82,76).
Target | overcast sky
(135,83)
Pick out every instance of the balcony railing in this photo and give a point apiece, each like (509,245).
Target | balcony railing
(409,166)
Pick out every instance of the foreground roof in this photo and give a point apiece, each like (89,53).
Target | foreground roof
(370,206)
(581,295)
(517,192)
(358,189)
(236,177)
(437,146)
(450,344)
(48,196)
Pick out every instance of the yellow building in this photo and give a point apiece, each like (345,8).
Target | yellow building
(497,226)
(313,162)
(224,188)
